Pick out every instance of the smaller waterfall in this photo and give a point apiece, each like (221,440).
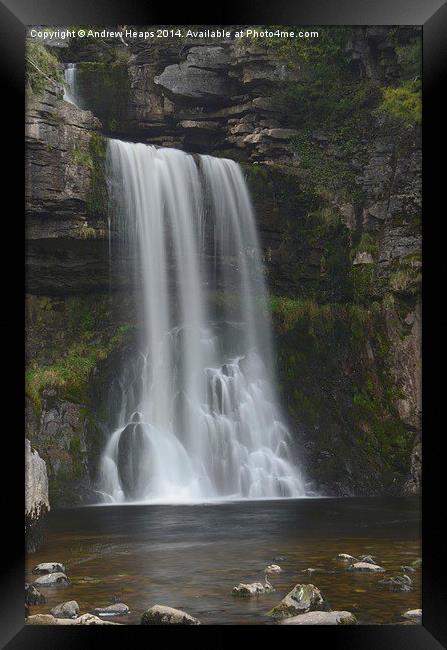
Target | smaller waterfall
(70,94)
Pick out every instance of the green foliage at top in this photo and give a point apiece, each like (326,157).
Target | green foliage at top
(42,67)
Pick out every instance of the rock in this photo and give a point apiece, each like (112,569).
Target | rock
(417,563)
(130,452)
(281,134)
(117,609)
(397,583)
(321,618)
(162,615)
(309,571)
(368,559)
(48,619)
(251,589)
(70,609)
(52,580)
(41,619)
(37,503)
(408,569)
(49,567)
(414,615)
(273,568)
(302,599)
(363,257)
(366,567)
(33,596)
(344,557)
(89,619)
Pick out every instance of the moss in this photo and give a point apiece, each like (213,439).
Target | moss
(403,103)
(42,67)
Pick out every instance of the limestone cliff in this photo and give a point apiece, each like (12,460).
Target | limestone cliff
(330,142)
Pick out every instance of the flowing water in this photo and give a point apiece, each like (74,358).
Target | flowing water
(190,557)
(200,420)
(70,94)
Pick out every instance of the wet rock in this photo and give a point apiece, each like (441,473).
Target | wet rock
(48,619)
(397,583)
(408,569)
(309,571)
(414,615)
(162,615)
(366,567)
(321,618)
(251,589)
(416,564)
(117,609)
(130,452)
(52,580)
(368,559)
(33,596)
(70,609)
(302,599)
(37,503)
(49,567)
(273,568)
(344,557)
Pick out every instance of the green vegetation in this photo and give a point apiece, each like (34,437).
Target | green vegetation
(42,67)
(403,103)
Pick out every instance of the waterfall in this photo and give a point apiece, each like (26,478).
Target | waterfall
(199,416)
(70,94)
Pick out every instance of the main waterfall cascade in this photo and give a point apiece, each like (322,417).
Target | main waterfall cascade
(199,417)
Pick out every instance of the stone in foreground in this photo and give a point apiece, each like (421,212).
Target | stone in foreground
(366,567)
(414,615)
(345,557)
(49,567)
(273,568)
(321,618)
(70,609)
(302,599)
(397,583)
(52,580)
(118,609)
(251,589)
(48,619)
(33,596)
(162,615)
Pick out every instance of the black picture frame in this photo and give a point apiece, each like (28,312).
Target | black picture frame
(15,15)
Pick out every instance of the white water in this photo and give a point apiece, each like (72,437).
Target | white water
(70,94)
(199,418)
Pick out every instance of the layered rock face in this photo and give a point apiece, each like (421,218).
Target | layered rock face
(338,205)
(36,498)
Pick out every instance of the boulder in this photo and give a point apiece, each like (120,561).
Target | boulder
(368,559)
(366,567)
(413,615)
(162,615)
(70,609)
(273,568)
(48,619)
(302,599)
(344,557)
(130,452)
(321,618)
(33,596)
(52,580)
(49,567)
(251,589)
(36,498)
(117,609)
(397,583)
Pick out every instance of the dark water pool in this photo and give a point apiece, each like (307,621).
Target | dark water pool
(190,557)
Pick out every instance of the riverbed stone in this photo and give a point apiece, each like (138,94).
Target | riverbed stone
(368,559)
(33,596)
(70,609)
(321,618)
(366,567)
(58,579)
(162,615)
(302,599)
(397,583)
(413,615)
(345,557)
(48,619)
(273,568)
(117,609)
(248,590)
(49,567)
